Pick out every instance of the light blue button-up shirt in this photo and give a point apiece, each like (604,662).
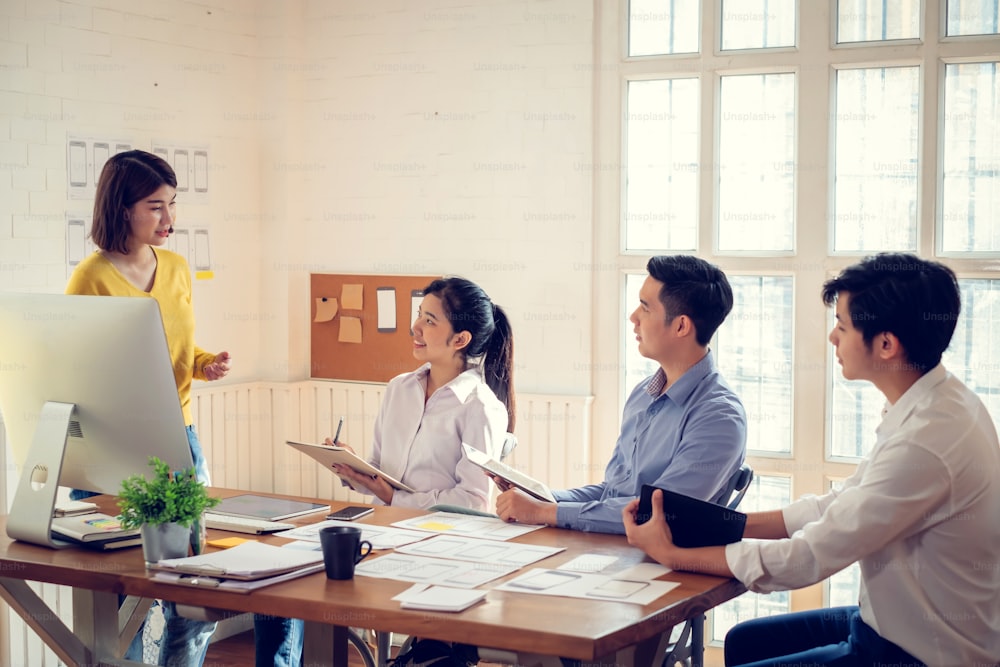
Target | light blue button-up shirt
(690,439)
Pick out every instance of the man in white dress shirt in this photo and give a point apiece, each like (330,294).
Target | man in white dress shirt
(921,514)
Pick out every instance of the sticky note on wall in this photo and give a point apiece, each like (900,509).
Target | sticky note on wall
(350,329)
(326,309)
(351,297)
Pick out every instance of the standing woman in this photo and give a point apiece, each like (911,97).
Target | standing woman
(133,217)
(463,393)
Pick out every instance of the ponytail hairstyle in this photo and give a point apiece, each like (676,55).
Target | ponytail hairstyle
(468,308)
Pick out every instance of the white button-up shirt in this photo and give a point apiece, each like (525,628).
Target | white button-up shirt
(421,444)
(922,515)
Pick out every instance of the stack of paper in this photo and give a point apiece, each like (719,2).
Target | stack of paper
(242,568)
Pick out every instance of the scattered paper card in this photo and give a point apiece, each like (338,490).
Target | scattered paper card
(589,586)
(439,598)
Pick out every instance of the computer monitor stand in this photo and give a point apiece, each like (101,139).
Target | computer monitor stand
(30,517)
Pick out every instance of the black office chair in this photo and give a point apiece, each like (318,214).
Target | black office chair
(689,647)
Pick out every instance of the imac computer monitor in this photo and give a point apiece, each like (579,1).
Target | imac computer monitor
(87,395)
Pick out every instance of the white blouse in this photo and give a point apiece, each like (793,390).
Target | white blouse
(420,444)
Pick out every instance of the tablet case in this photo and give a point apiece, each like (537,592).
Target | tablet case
(694,522)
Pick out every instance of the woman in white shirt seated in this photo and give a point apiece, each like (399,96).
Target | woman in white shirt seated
(463,393)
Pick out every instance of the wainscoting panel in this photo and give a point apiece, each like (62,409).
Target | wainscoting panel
(243,429)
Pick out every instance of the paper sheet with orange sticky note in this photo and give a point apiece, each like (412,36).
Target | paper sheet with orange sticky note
(226,542)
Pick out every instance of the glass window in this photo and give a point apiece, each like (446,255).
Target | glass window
(876,159)
(974,353)
(663,27)
(757,24)
(754,352)
(756,163)
(767,492)
(972,17)
(843,588)
(661,192)
(970,220)
(877,20)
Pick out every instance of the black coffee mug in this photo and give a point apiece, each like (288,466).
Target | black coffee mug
(343,548)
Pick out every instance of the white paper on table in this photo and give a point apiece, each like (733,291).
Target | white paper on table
(456,573)
(381,537)
(643,572)
(588,563)
(478,550)
(485,527)
(563,583)
(438,598)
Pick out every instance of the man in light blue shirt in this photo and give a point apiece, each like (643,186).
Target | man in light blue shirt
(683,428)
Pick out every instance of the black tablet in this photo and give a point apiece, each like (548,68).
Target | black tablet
(694,522)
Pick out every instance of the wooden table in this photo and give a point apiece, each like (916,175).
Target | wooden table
(586,630)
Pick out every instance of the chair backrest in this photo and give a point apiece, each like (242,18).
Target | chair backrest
(737,486)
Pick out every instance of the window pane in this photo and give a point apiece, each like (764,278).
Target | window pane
(843,588)
(754,353)
(756,157)
(971,156)
(757,24)
(661,190)
(855,412)
(972,17)
(877,20)
(767,492)
(876,172)
(661,27)
(974,353)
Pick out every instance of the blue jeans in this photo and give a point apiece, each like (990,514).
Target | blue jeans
(834,637)
(184,641)
(277,641)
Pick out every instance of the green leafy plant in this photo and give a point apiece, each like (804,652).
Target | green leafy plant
(166,498)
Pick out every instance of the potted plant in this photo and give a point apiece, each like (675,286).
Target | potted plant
(166,509)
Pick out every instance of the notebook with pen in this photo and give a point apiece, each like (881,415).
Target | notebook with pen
(328,455)
(693,522)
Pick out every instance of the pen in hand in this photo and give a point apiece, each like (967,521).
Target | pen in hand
(336,436)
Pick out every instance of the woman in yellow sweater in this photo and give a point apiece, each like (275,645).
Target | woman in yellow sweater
(133,217)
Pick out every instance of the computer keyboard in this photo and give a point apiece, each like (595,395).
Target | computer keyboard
(239,524)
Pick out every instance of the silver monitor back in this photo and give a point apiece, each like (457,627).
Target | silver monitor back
(87,395)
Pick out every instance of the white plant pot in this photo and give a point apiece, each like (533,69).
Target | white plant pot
(164,540)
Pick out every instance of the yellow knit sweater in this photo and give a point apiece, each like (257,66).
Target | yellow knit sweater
(172,291)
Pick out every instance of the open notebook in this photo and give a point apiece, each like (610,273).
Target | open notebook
(526,483)
(329,455)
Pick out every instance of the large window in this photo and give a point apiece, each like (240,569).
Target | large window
(784,140)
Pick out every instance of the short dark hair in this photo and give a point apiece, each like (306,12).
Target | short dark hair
(693,287)
(125,179)
(916,300)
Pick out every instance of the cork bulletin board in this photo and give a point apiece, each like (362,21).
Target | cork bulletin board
(360,325)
